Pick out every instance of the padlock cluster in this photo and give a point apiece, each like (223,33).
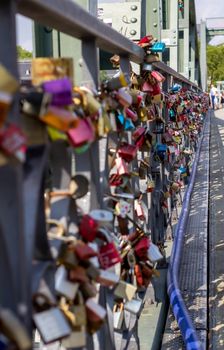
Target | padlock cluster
(151,137)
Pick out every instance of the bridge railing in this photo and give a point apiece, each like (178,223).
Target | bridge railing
(19,200)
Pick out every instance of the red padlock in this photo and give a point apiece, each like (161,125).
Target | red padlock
(131,114)
(142,247)
(128,152)
(88,228)
(84,252)
(158,76)
(109,255)
(13,141)
(138,274)
(140,131)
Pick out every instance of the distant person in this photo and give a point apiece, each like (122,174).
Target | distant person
(222,99)
(216,101)
(212,96)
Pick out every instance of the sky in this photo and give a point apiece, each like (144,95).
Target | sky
(204,9)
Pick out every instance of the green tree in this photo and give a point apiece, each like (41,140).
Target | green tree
(215,62)
(23,53)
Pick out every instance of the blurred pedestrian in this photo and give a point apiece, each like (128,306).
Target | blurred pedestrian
(222,99)
(216,101)
(212,96)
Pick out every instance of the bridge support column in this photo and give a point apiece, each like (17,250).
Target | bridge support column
(203,57)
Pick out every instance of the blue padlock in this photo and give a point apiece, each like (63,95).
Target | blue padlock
(158,47)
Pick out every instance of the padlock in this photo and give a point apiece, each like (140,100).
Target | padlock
(8,84)
(154,253)
(158,76)
(79,311)
(152,57)
(160,152)
(164,207)
(60,119)
(93,270)
(61,91)
(84,251)
(107,278)
(109,248)
(63,286)
(159,127)
(5,103)
(139,210)
(125,122)
(143,114)
(167,138)
(150,184)
(127,152)
(134,306)
(95,315)
(13,142)
(118,315)
(122,167)
(43,297)
(122,208)
(142,247)
(118,81)
(82,133)
(183,171)
(45,69)
(138,275)
(78,275)
(77,338)
(139,132)
(66,255)
(131,114)
(125,290)
(52,325)
(142,170)
(92,104)
(147,87)
(102,217)
(108,255)
(158,47)
(140,138)
(123,97)
(56,135)
(137,97)
(88,228)
(88,290)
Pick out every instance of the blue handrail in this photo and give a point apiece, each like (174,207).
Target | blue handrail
(181,314)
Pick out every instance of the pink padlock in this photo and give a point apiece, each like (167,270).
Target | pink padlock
(139,210)
(122,167)
(109,255)
(131,114)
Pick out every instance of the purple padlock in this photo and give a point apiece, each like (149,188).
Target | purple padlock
(61,91)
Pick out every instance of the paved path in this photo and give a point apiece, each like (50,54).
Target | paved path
(216,236)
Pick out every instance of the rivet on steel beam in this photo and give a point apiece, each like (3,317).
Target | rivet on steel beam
(133,20)
(155,10)
(154,24)
(134,7)
(133,32)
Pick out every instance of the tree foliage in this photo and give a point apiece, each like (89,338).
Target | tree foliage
(215,62)
(23,53)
